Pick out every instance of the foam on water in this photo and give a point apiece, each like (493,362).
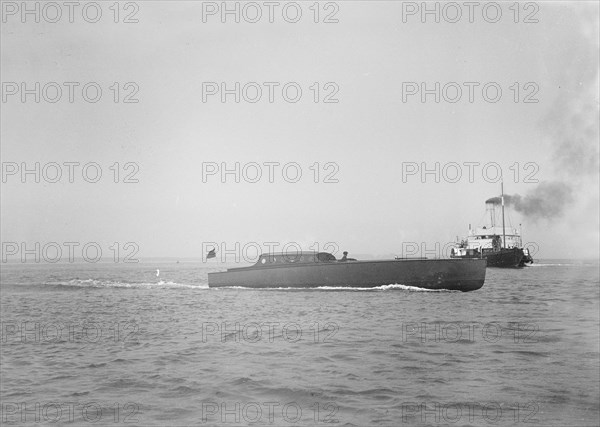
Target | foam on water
(97,283)
(553,265)
(384,288)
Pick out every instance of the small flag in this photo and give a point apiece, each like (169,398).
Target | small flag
(211,254)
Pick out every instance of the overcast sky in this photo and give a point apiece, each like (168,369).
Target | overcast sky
(170,55)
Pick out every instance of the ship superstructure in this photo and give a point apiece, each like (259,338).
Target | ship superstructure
(502,246)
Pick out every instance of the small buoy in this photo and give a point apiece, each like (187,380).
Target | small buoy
(157,272)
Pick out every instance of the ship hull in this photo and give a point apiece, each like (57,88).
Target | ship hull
(504,258)
(452,274)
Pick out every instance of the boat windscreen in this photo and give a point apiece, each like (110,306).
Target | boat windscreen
(325,257)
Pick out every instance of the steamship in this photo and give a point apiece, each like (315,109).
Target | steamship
(499,245)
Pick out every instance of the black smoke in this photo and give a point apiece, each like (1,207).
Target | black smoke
(549,200)
(571,129)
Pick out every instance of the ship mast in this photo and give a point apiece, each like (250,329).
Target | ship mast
(503,228)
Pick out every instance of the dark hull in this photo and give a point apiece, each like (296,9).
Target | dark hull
(504,258)
(452,274)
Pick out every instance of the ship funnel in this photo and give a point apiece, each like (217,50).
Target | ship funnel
(494,201)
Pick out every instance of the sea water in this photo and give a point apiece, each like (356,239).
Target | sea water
(107,344)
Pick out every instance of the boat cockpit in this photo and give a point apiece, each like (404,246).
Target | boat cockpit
(286,258)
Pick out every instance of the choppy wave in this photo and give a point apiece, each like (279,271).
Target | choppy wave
(163,354)
(97,283)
